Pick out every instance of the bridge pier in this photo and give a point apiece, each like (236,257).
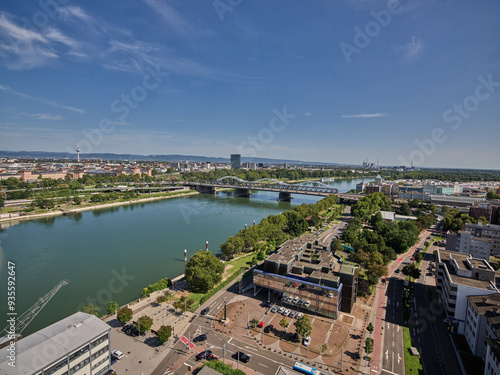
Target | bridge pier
(205,189)
(239,192)
(285,197)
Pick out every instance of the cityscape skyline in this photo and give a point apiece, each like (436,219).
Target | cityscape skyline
(393,81)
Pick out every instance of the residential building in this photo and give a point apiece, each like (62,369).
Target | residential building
(235,161)
(76,345)
(490,232)
(479,310)
(464,242)
(459,276)
(492,360)
(489,210)
(306,269)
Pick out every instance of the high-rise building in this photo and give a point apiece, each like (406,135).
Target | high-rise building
(235,161)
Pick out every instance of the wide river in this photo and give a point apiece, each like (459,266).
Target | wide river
(111,254)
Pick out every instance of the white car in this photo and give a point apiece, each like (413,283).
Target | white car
(117,354)
(307,303)
(299,315)
(296,300)
(281,310)
(286,312)
(307,341)
(330,295)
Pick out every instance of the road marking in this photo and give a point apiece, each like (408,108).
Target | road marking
(229,340)
(393,343)
(263,365)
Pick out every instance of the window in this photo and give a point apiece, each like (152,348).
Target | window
(99,340)
(56,367)
(83,363)
(78,353)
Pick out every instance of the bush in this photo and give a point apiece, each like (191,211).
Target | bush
(162,284)
(223,368)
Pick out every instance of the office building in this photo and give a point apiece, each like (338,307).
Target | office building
(76,345)
(235,161)
(464,242)
(489,232)
(305,270)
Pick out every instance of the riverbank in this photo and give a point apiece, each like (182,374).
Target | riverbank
(77,209)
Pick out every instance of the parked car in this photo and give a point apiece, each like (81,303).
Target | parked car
(202,355)
(292,314)
(268,328)
(202,337)
(266,304)
(299,315)
(285,296)
(275,309)
(241,356)
(126,327)
(330,295)
(296,300)
(117,354)
(398,270)
(286,312)
(205,311)
(281,310)
(301,301)
(307,303)
(289,299)
(307,341)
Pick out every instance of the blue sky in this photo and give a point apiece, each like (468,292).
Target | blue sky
(330,81)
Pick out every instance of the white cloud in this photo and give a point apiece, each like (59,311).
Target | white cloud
(57,36)
(72,12)
(365,115)
(47,116)
(412,50)
(9,90)
(173,18)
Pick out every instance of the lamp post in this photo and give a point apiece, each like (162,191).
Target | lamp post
(225,309)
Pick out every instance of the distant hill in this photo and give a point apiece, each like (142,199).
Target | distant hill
(132,157)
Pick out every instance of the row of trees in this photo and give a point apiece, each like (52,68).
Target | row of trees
(275,229)
(455,220)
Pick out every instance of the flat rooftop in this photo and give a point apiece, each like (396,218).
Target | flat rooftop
(461,262)
(42,348)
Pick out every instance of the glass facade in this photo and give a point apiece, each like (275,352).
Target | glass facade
(323,300)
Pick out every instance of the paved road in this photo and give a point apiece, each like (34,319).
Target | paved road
(393,352)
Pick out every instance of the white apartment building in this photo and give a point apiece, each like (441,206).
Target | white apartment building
(76,345)
(459,276)
(480,309)
(490,232)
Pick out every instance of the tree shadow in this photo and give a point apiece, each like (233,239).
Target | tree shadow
(115,323)
(355,337)
(355,356)
(153,342)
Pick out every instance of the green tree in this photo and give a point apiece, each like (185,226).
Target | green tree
(77,200)
(337,245)
(303,326)
(144,323)
(445,209)
(164,333)
(284,323)
(324,348)
(405,209)
(203,271)
(418,257)
(370,328)
(368,346)
(411,270)
(112,307)
(124,315)
(253,323)
(91,309)
(184,303)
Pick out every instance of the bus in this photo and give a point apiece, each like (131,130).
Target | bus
(298,366)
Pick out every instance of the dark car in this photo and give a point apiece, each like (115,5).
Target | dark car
(125,328)
(242,357)
(295,337)
(266,304)
(202,337)
(268,328)
(204,354)
(205,311)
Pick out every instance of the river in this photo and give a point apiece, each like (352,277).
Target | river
(111,254)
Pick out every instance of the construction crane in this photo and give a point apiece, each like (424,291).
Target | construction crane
(13,332)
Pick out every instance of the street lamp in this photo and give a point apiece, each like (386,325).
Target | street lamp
(225,309)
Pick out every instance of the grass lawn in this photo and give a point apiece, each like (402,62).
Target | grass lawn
(412,363)
(437,238)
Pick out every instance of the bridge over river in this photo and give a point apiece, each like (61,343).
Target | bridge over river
(244,188)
